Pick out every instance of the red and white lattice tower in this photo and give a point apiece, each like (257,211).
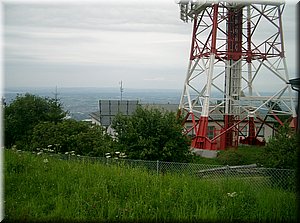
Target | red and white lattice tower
(237,52)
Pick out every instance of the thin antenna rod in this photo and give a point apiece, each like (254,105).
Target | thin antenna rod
(121,89)
(55,95)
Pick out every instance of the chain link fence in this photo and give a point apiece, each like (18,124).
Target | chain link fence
(256,176)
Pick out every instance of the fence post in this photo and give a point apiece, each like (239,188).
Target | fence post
(157,167)
(227,170)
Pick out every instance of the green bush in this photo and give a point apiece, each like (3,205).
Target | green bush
(71,135)
(243,155)
(230,157)
(281,150)
(24,113)
(152,134)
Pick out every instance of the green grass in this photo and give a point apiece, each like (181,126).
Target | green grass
(83,191)
(243,155)
(251,154)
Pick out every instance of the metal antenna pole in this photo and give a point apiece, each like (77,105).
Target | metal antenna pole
(121,89)
(55,95)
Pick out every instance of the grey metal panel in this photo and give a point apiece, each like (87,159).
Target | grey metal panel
(133,102)
(106,120)
(104,107)
(108,109)
(124,107)
(132,105)
(114,106)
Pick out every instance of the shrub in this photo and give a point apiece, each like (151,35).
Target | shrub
(281,150)
(24,113)
(71,135)
(243,155)
(230,157)
(152,134)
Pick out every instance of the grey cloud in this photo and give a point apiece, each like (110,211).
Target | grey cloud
(100,44)
(105,16)
(89,75)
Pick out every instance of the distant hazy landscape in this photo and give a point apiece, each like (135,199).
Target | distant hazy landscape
(82,101)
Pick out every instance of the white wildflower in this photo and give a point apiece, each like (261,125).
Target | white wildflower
(78,155)
(45,161)
(233,194)
(123,155)
(49,146)
(117,153)
(108,156)
(39,153)
(66,153)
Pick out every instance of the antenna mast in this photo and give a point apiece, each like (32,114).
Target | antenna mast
(121,89)
(56,95)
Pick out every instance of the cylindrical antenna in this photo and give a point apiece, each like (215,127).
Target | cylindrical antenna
(121,89)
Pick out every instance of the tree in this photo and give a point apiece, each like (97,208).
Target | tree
(281,150)
(25,112)
(152,134)
(71,135)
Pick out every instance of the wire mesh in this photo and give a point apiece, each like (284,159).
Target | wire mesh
(252,174)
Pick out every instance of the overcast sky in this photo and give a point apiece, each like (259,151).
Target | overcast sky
(143,43)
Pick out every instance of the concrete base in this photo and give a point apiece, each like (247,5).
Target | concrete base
(205,153)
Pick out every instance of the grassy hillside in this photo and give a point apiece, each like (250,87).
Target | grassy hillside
(46,188)
(243,155)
